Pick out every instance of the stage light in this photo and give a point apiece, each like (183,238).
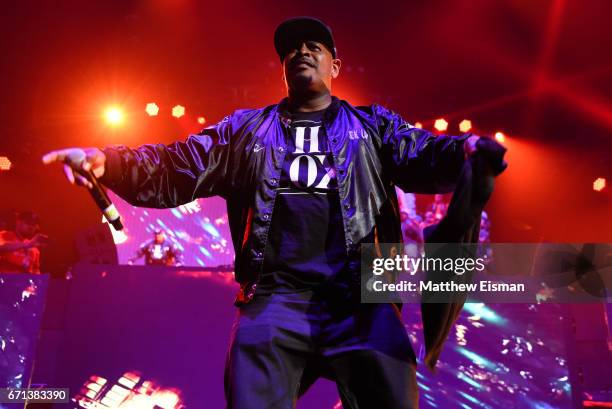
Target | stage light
(5,163)
(465,125)
(152,109)
(598,185)
(500,137)
(441,125)
(178,111)
(201,120)
(113,116)
(119,236)
(418,125)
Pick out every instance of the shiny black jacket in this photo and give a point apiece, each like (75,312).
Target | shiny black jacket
(241,157)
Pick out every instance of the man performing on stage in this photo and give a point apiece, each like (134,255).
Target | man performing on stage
(20,249)
(306,182)
(158,252)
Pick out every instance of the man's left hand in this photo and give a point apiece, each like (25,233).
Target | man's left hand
(492,152)
(469,146)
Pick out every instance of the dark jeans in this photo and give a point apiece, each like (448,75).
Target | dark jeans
(281,343)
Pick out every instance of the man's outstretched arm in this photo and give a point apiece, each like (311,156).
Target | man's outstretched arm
(417,160)
(157,176)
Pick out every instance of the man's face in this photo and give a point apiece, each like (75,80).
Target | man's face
(159,238)
(310,66)
(26,229)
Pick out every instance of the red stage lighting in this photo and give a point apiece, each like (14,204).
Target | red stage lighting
(178,111)
(598,185)
(201,120)
(113,116)
(465,125)
(152,109)
(5,163)
(441,125)
(418,125)
(500,137)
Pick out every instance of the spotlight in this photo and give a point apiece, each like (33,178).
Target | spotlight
(113,116)
(119,236)
(465,125)
(5,163)
(598,185)
(418,125)
(500,137)
(178,111)
(441,125)
(201,120)
(152,109)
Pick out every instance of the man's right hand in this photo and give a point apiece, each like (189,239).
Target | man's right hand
(87,159)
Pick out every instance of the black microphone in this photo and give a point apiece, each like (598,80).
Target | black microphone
(99,196)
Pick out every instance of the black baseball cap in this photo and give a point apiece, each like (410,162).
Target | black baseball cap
(290,32)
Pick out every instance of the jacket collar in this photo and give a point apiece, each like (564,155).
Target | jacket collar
(282,109)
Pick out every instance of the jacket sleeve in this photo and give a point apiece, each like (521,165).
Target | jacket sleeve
(162,176)
(417,160)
